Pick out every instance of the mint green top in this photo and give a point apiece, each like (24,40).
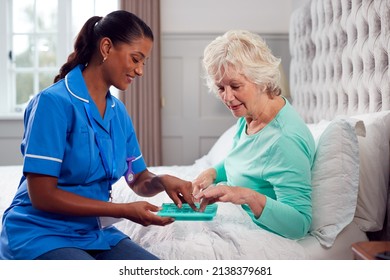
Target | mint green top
(276,162)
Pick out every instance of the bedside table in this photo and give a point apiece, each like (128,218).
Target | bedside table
(368,250)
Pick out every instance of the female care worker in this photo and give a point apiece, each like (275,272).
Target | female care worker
(78,141)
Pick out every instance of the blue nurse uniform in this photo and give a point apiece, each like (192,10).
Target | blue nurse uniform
(59,141)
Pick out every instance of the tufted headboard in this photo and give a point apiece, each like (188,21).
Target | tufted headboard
(340,58)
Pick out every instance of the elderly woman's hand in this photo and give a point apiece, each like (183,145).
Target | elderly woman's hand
(235,195)
(203,181)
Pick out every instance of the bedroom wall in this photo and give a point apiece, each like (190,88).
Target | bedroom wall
(187,26)
(215,16)
(183,16)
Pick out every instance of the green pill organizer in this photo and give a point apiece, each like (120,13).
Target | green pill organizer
(186,213)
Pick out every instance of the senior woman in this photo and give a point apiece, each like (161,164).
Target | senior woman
(268,169)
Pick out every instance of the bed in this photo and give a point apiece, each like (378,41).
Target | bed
(339,81)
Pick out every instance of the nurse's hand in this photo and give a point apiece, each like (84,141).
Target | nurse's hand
(148,184)
(180,191)
(142,212)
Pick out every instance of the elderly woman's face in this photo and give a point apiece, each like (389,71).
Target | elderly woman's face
(241,96)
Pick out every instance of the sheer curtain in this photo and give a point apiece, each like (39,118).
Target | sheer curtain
(143,97)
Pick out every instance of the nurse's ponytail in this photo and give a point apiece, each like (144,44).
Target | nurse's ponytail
(119,26)
(84,48)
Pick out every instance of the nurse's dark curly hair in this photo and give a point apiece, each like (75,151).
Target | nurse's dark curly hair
(119,26)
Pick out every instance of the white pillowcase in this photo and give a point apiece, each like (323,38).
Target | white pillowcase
(335,177)
(223,145)
(374,171)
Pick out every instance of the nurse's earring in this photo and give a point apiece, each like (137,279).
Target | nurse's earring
(104,59)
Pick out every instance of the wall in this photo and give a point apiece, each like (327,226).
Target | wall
(11,132)
(216,16)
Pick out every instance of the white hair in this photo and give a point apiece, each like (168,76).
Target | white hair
(245,53)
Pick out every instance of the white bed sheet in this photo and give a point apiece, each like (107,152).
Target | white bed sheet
(230,235)
(9,181)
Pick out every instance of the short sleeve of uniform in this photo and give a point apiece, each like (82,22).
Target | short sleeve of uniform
(44,140)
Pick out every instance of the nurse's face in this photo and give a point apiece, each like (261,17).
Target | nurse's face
(126,61)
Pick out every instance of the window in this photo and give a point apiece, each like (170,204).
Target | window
(39,36)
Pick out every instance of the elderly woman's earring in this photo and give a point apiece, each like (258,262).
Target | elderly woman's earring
(104,59)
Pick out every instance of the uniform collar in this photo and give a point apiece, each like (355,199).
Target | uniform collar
(77,88)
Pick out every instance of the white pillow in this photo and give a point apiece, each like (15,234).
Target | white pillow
(335,177)
(374,171)
(223,145)
(317,129)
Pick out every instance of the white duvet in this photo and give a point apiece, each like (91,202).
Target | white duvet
(230,235)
